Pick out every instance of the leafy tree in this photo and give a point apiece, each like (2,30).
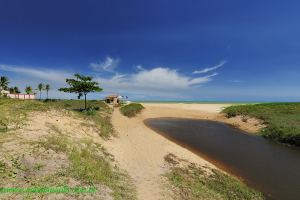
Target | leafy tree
(14,90)
(11,90)
(4,83)
(28,90)
(40,88)
(47,87)
(81,85)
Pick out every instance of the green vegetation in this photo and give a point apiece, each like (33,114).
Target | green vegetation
(40,88)
(89,163)
(28,90)
(192,182)
(13,113)
(282,119)
(4,83)
(82,85)
(14,90)
(97,112)
(47,88)
(132,109)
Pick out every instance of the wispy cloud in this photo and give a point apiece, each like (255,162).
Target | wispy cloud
(22,76)
(140,67)
(108,65)
(205,70)
(44,74)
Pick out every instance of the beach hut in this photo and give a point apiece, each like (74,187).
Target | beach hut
(112,99)
(116,99)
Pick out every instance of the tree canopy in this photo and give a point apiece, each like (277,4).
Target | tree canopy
(47,88)
(28,90)
(40,88)
(81,85)
(4,83)
(14,90)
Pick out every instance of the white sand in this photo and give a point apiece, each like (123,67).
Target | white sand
(141,151)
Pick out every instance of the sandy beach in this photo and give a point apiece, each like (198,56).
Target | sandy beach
(141,151)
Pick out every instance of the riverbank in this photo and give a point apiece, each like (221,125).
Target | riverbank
(203,111)
(141,151)
(56,143)
(281,119)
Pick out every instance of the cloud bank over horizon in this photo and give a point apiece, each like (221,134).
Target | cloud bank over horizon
(157,82)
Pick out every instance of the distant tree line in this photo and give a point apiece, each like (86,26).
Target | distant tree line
(4,85)
(80,85)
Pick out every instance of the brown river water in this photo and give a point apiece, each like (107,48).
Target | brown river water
(272,168)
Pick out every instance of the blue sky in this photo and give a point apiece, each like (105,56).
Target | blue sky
(156,50)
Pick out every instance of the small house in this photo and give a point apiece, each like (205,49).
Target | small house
(112,99)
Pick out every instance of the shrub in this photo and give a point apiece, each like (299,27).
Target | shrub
(132,109)
(89,111)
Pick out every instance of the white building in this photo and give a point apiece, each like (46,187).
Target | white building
(21,96)
(6,93)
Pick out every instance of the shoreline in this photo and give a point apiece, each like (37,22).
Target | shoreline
(205,112)
(140,150)
(219,165)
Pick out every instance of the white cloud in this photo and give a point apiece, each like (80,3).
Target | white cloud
(202,80)
(157,82)
(108,65)
(140,67)
(43,74)
(30,76)
(202,71)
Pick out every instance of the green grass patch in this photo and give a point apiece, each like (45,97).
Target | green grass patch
(282,119)
(192,182)
(13,112)
(89,164)
(132,109)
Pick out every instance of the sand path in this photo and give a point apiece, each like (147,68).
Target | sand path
(141,151)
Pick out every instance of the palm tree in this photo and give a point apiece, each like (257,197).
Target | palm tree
(17,90)
(40,88)
(4,83)
(47,89)
(28,90)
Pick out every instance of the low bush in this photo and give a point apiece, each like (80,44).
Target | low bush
(132,109)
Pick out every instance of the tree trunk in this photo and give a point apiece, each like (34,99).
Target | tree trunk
(85,101)
(40,95)
(47,94)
